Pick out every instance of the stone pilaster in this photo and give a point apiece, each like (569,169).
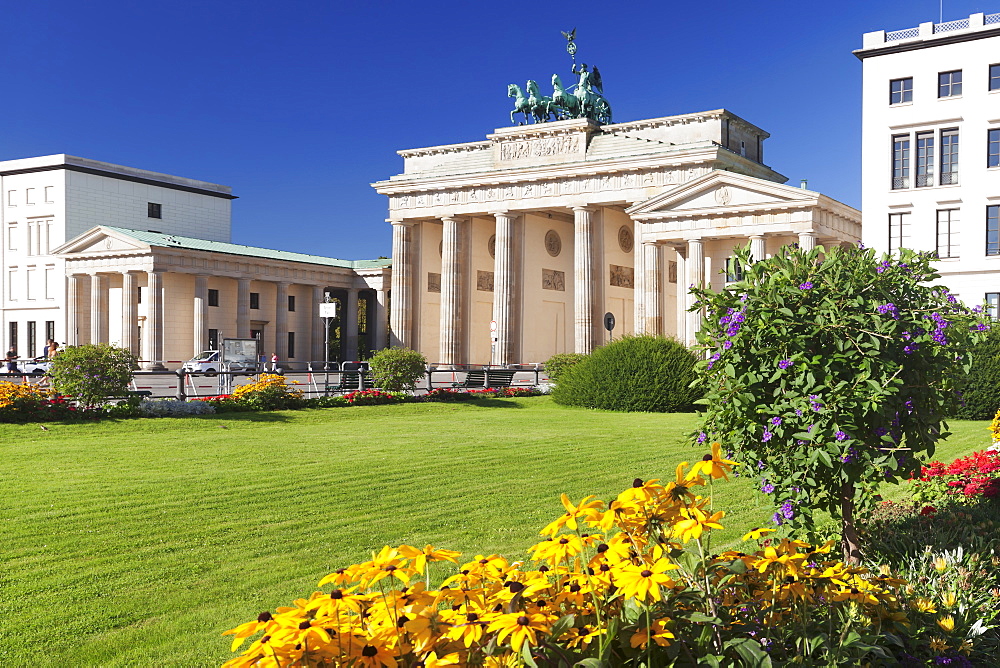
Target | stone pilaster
(401,315)
(758,247)
(681,304)
(317,331)
(583,279)
(504,287)
(652,293)
(98,308)
(349,326)
(72,309)
(453,259)
(242,308)
(200,330)
(807,241)
(153,332)
(130,312)
(695,277)
(639,269)
(381,328)
(281,320)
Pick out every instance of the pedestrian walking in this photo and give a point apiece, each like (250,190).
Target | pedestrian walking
(274,362)
(12,360)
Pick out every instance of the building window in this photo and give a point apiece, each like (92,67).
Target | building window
(12,335)
(901,90)
(949,157)
(993,305)
(993,148)
(899,231)
(213,339)
(154,210)
(32,338)
(213,297)
(900,162)
(993,230)
(994,77)
(734,271)
(947,233)
(291,345)
(925,159)
(291,302)
(255,300)
(950,83)
(50,330)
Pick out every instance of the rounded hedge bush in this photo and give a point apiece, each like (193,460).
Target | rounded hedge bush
(634,373)
(558,364)
(981,385)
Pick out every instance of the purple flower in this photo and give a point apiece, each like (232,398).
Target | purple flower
(910,348)
(767,487)
(798,412)
(784,364)
(767,436)
(761,465)
(776,421)
(744,297)
(841,436)
(727,345)
(889,309)
(777,519)
(702,437)
(882,267)
(787,510)
(806,285)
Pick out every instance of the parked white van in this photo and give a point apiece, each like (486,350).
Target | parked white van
(210,361)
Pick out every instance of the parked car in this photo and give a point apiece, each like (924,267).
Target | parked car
(210,361)
(35,367)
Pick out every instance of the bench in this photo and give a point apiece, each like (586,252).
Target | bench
(351,381)
(473,379)
(497,378)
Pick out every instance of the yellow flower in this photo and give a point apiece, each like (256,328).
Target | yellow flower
(519,627)
(432,660)
(467,628)
(695,522)
(923,605)
(373,656)
(429,553)
(938,645)
(713,465)
(586,508)
(755,534)
(643,582)
(940,564)
(947,623)
(661,635)
(965,647)
(949,600)
(680,488)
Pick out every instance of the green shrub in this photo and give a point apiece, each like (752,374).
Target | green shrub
(397,369)
(558,364)
(980,385)
(634,373)
(92,372)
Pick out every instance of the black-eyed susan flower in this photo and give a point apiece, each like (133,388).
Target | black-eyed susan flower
(429,553)
(713,465)
(643,582)
(658,633)
(588,507)
(694,522)
(679,489)
(520,627)
(373,656)
(756,533)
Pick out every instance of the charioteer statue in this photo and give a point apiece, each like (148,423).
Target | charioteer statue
(584,99)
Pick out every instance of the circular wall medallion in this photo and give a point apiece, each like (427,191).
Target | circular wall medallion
(108,243)
(553,244)
(723,196)
(625,240)
(492,246)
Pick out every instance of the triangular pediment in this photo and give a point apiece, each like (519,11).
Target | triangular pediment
(722,190)
(104,241)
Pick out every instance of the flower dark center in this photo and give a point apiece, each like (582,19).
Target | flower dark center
(563,541)
(484,561)
(304,625)
(602,548)
(575,587)
(523,620)
(472,617)
(646,573)
(336,594)
(402,620)
(390,568)
(264,617)
(368,650)
(706,458)
(637,482)
(516,587)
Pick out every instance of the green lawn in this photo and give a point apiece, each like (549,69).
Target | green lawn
(136,543)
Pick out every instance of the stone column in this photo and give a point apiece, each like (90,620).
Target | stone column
(72,305)
(401,316)
(153,334)
(242,308)
(653,292)
(200,330)
(381,320)
(680,303)
(757,248)
(583,279)
(130,311)
(695,277)
(349,325)
(504,285)
(317,331)
(807,241)
(98,308)
(281,321)
(639,285)
(452,274)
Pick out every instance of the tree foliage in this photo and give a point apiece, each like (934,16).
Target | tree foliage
(556,365)
(981,385)
(829,372)
(397,369)
(93,372)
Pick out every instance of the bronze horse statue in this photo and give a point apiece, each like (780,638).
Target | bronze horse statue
(567,104)
(542,108)
(521,104)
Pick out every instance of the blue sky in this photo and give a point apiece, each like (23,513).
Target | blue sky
(300,105)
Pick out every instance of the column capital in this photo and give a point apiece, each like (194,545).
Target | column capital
(504,213)
(453,218)
(585,207)
(758,236)
(402,223)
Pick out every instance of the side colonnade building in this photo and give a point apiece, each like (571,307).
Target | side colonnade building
(512,249)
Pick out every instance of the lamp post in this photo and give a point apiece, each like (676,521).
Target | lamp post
(327,311)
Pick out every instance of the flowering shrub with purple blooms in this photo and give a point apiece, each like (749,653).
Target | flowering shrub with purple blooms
(92,372)
(829,372)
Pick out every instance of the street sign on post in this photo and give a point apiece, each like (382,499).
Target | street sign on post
(327,311)
(609,321)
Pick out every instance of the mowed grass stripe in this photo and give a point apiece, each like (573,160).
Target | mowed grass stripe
(139,542)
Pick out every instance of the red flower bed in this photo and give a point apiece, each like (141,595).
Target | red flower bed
(971,477)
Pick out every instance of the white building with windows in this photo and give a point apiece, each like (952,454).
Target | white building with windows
(931,148)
